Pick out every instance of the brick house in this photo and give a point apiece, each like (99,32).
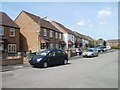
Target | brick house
(9,35)
(113,42)
(36,33)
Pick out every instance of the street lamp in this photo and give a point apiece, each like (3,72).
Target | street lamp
(38,31)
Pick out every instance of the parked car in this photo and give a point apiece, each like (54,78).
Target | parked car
(102,49)
(90,52)
(108,48)
(78,51)
(49,57)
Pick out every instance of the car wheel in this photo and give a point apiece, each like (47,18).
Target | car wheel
(65,62)
(45,64)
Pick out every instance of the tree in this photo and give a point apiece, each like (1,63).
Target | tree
(104,43)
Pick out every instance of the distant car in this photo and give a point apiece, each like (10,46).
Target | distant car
(90,52)
(49,57)
(108,47)
(102,49)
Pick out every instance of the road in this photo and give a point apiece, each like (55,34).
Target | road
(97,72)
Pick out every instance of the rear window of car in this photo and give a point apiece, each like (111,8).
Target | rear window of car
(60,52)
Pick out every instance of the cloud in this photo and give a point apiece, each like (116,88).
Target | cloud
(104,14)
(84,23)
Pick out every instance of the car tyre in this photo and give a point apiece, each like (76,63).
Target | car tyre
(45,65)
(65,62)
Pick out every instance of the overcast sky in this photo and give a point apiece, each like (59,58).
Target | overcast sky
(96,19)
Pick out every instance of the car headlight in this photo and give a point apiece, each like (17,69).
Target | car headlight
(39,59)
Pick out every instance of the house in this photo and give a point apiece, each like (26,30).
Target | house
(79,41)
(69,36)
(37,33)
(84,41)
(100,42)
(91,41)
(113,42)
(9,34)
(9,40)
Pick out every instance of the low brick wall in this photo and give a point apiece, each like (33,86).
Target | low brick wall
(12,61)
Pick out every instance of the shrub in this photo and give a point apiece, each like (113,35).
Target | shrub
(115,47)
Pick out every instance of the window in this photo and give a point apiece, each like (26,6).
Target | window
(1,30)
(45,32)
(11,48)
(56,34)
(51,46)
(60,36)
(56,46)
(50,33)
(12,32)
(1,46)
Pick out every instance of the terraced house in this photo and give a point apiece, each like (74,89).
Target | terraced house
(69,36)
(9,35)
(37,33)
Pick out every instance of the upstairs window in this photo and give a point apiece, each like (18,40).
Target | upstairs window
(56,35)
(45,32)
(60,36)
(50,33)
(1,30)
(12,32)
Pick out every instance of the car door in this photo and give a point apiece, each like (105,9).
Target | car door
(60,56)
(96,52)
(52,58)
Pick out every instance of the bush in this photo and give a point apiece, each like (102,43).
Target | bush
(115,47)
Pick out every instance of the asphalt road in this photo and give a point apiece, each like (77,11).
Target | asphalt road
(97,72)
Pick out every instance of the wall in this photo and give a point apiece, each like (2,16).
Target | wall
(28,30)
(11,40)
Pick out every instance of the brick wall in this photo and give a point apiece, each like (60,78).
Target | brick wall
(11,40)
(28,33)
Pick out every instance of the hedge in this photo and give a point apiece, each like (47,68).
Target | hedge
(115,47)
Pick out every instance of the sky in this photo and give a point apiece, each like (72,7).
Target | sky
(96,19)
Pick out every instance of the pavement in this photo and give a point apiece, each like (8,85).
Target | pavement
(19,66)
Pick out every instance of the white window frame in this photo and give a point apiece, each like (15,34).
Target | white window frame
(56,46)
(2,29)
(45,32)
(1,46)
(11,48)
(51,33)
(60,36)
(56,34)
(51,45)
(13,31)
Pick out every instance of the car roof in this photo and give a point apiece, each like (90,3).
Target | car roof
(54,50)
(91,48)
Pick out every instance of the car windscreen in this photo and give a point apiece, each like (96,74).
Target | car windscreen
(44,53)
(89,50)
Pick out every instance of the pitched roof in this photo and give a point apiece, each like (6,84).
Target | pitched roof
(90,38)
(47,24)
(42,22)
(32,16)
(114,40)
(64,28)
(83,36)
(7,21)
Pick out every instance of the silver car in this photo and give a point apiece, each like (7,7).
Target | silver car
(90,52)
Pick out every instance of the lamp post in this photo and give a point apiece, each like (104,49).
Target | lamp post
(38,31)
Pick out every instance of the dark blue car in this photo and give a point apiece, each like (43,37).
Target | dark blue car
(49,57)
